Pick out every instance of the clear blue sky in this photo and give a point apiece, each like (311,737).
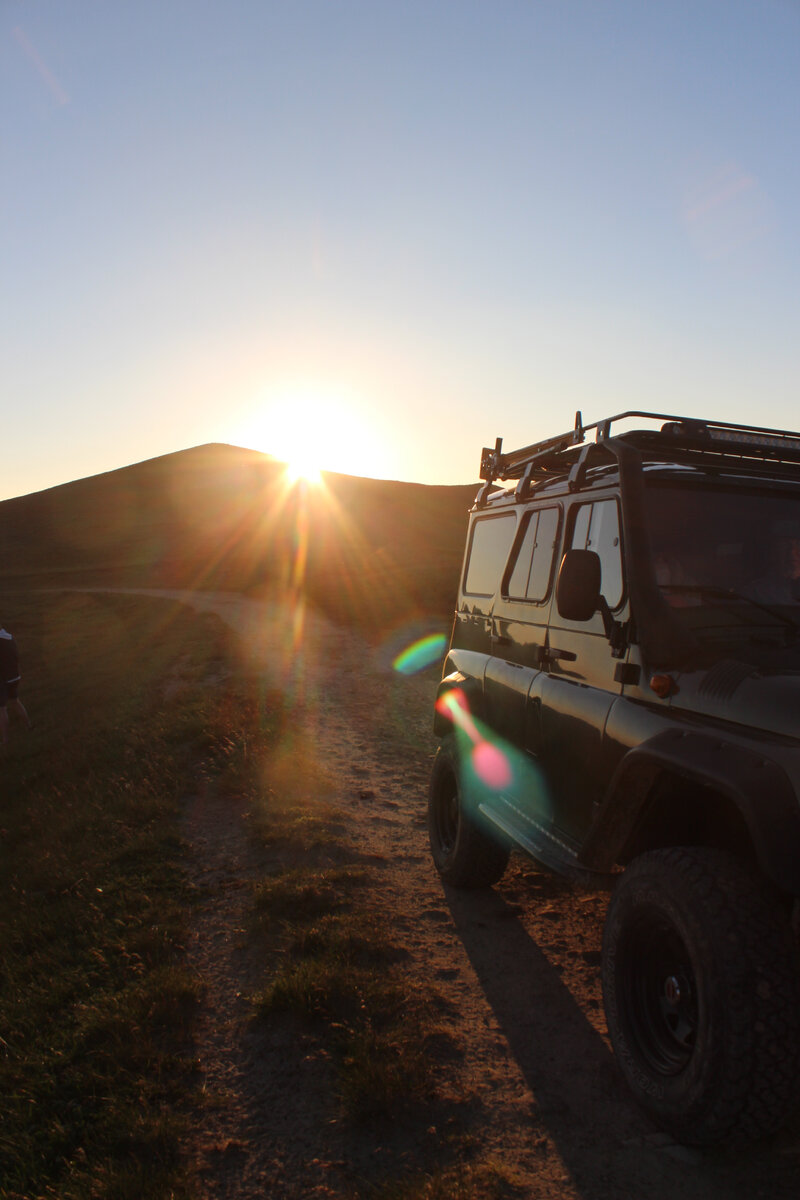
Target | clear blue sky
(389,232)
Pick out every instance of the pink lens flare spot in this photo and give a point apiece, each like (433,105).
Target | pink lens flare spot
(491,765)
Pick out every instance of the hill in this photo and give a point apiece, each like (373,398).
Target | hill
(220,517)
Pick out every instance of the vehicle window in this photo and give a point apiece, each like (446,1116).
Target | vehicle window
(740,541)
(530,579)
(518,583)
(543,554)
(488,551)
(597,528)
(580,532)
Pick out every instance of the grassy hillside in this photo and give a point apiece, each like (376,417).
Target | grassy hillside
(96,1001)
(221,517)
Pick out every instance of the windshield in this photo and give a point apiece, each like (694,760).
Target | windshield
(730,554)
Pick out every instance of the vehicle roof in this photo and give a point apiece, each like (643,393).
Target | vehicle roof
(606,476)
(679,448)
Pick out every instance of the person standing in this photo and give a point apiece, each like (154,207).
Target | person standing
(9,683)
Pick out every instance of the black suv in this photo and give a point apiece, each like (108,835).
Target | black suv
(621,701)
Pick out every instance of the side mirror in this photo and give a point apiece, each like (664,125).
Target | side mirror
(578,586)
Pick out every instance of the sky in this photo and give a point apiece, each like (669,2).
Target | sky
(381,234)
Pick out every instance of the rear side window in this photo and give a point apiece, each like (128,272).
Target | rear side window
(597,528)
(533,568)
(488,551)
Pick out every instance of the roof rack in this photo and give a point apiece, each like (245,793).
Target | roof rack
(716,438)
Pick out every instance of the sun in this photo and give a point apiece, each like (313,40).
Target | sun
(313,429)
(300,470)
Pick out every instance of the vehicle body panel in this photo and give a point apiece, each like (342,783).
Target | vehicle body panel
(597,717)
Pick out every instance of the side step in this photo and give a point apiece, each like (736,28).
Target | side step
(550,851)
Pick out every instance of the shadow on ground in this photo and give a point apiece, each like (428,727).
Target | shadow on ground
(580,1100)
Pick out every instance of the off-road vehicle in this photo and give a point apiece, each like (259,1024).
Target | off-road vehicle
(621,701)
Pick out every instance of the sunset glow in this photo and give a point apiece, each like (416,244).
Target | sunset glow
(323,261)
(300,470)
(313,429)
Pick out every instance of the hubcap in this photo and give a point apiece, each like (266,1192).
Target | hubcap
(672,991)
(658,991)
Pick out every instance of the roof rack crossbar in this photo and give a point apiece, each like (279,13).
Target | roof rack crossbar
(503,464)
(722,437)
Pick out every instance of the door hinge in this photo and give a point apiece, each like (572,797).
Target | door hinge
(627,673)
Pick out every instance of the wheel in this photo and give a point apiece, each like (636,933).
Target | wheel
(702,995)
(466,851)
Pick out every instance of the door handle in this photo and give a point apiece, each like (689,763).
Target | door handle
(549,656)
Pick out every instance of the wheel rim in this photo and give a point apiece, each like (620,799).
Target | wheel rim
(658,993)
(445,813)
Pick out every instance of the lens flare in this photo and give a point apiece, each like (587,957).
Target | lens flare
(454,704)
(421,654)
(491,765)
(490,769)
(489,762)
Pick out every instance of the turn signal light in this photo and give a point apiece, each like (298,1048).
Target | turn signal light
(662,685)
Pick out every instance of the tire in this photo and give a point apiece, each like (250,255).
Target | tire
(702,995)
(466,852)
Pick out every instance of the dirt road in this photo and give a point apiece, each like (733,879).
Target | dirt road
(533,1080)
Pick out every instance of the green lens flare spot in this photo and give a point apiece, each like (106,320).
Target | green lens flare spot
(421,654)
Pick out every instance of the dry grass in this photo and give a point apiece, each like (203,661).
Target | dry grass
(333,961)
(95,1006)
(374,551)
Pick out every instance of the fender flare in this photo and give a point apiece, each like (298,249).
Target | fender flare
(758,788)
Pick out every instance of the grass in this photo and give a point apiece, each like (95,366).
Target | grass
(334,963)
(132,710)
(378,551)
(341,973)
(321,918)
(379,1028)
(95,1006)
(337,971)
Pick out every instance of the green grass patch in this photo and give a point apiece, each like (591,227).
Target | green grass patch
(95,1006)
(336,966)
(334,963)
(301,895)
(341,972)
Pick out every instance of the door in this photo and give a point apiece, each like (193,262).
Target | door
(487,551)
(519,624)
(571,698)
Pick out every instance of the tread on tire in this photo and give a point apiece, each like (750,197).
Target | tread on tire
(702,995)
